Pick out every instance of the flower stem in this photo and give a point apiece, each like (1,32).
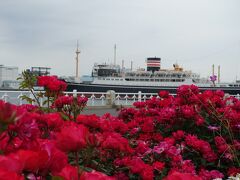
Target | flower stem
(77,164)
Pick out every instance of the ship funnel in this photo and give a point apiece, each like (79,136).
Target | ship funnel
(153,64)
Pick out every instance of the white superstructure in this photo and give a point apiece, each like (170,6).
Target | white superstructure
(110,74)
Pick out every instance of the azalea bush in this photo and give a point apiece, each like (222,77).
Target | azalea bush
(53,88)
(191,136)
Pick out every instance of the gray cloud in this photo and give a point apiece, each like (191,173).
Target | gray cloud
(196,34)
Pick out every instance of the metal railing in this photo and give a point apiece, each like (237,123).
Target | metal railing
(94,98)
(111,97)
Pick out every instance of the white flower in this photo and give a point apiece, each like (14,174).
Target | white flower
(237,177)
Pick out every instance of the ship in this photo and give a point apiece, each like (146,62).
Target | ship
(151,79)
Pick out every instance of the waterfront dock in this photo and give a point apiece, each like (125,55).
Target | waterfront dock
(99,111)
(98,102)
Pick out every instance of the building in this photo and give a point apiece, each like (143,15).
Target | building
(40,71)
(8,74)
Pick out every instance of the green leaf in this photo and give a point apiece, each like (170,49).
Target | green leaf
(57,178)
(28,80)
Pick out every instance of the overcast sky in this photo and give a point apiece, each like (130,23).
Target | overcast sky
(193,33)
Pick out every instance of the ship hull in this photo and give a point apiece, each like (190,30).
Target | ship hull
(81,87)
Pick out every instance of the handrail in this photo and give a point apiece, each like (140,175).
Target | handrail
(94,98)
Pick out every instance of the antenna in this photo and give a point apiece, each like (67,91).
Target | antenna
(131,65)
(77,60)
(115,49)
(213,69)
(122,64)
(218,73)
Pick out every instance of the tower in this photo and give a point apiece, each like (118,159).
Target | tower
(77,60)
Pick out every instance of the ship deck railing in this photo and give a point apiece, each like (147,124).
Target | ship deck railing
(100,99)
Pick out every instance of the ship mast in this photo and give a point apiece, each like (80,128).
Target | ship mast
(218,73)
(77,60)
(115,49)
(213,70)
